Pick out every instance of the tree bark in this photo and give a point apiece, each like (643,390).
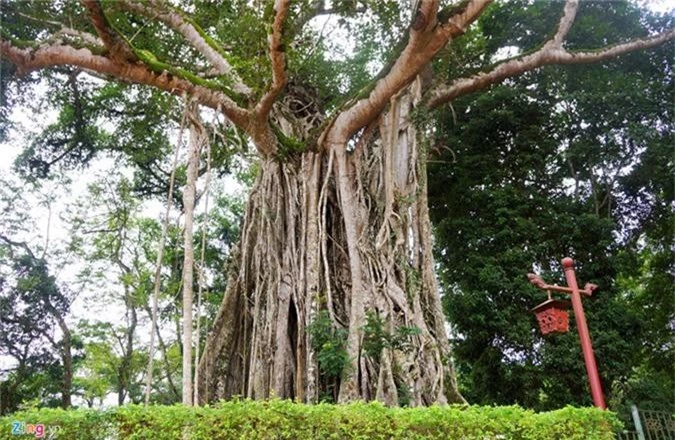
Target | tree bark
(321,235)
(65,347)
(200,277)
(196,143)
(67,355)
(125,373)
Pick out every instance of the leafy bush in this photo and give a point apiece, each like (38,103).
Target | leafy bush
(376,338)
(330,344)
(278,419)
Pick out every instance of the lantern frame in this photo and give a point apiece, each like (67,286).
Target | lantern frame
(553,316)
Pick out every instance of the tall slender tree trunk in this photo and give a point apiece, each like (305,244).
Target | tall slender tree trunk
(196,142)
(202,254)
(165,360)
(65,347)
(125,373)
(67,355)
(158,270)
(343,231)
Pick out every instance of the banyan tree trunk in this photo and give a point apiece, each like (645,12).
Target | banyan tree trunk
(340,236)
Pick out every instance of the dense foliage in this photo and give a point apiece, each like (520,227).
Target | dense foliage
(560,163)
(287,420)
(30,302)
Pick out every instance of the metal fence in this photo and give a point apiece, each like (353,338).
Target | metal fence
(627,435)
(658,425)
(650,425)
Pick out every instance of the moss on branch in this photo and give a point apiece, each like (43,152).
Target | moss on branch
(160,66)
(288,145)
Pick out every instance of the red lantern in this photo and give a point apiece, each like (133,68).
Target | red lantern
(553,316)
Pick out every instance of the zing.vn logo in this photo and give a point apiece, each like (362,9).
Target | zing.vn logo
(39,430)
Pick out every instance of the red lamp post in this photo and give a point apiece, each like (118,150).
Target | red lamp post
(551,318)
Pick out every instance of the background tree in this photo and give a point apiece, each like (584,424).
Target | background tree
(32,304)
(560,182)
(107,366)
(34,309)
(112,238)
(337,221)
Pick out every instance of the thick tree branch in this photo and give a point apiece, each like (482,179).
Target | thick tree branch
(423,17)
(454,20)
(192,34)
(566,21)
(86,38)
(278,59)
(124,62)
(548,54)
(118,47)
(27,60)
(427,37)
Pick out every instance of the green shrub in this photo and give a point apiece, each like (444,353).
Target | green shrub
(278,419)
(330,344)
(376,338)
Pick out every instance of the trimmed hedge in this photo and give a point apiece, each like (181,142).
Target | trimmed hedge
(278,419)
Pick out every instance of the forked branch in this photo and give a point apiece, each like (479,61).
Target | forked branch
(192,33)
(552,52)
(118,48)
(427,37)
(278,59)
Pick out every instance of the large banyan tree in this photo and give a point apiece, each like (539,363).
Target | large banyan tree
(331,289)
